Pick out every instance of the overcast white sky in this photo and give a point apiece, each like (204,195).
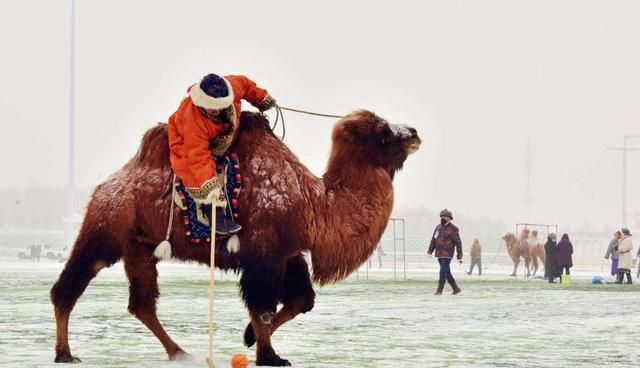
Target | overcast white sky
(476,78)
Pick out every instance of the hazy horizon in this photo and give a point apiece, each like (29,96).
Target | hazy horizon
(478,80)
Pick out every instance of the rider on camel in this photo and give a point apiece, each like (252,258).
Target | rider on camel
(201,130)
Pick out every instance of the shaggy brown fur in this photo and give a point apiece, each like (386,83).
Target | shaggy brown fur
(285,210)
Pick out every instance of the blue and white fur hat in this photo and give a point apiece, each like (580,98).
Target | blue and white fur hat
(212,92)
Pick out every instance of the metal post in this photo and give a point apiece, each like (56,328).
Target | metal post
(404,250)
(367,269)
(624,150)
(624,182)
(517,236)
(394,250)
(528,198)
(72,111)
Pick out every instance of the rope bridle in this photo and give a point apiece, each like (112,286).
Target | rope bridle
(280,116)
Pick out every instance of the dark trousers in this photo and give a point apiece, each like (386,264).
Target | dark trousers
(445,271)
(475,262)
(566,270)
(621,277)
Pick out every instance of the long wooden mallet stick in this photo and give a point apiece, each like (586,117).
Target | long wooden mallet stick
(212,269)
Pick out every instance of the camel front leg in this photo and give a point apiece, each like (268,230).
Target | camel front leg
(260,286)
(515,268)
(298,297)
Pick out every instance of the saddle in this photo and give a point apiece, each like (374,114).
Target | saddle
(228,168)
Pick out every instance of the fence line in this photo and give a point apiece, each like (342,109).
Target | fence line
(587,251)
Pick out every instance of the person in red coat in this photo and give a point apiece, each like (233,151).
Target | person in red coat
(565,252)
(202,129)
(445,241)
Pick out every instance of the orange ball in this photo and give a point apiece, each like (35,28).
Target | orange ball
(239,361)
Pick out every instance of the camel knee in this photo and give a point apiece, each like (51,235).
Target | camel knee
(143,286)
(72,282)
(305,302)
(307,305)
(142,300)
(298,289)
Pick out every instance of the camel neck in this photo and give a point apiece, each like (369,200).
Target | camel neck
(356,211)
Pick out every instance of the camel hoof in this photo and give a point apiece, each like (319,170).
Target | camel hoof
(179,355)
(249,337)
(67,358)
(273,360)
(513,274)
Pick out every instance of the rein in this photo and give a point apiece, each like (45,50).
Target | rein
(280,116)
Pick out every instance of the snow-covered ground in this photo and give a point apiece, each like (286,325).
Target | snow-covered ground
(496,322)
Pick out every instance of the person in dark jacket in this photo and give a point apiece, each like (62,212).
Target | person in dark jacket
(551,260)
(565,250)
(446,240)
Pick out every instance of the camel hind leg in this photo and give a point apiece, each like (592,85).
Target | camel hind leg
(143,295)
(527,265)
(298,297)
(91,253)
(542,256)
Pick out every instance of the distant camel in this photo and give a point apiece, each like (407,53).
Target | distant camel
(517,248)
(535,250)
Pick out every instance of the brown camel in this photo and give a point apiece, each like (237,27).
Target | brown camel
(285,210)
(535,249)
(517,248)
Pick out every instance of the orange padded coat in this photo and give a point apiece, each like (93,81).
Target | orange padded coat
(190,135)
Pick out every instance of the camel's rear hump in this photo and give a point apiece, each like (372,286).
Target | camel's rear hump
(154,148)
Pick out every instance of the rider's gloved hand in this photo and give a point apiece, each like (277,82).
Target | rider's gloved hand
(267,103)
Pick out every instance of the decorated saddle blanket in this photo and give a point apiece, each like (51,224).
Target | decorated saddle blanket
(228,167)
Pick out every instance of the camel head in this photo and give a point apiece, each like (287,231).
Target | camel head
(364,137)
(509,239)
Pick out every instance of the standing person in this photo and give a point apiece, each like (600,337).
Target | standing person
(476,257)
(638,262)
(446,240)
(381,253)
(624,263)
(565,250)
(612,251)
(551,260)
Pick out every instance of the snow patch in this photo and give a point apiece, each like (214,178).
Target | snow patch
(401,130)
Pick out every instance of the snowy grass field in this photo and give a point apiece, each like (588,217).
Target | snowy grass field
(496,322)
